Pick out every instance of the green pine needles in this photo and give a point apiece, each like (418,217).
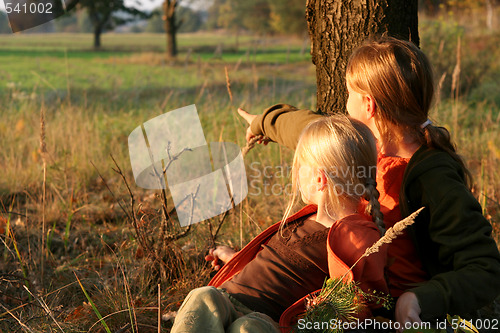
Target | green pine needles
(338,302)
(342,302)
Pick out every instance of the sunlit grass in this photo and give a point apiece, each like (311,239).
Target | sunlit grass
(93,100)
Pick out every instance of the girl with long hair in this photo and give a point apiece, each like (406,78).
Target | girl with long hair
(447,262)
(334,169)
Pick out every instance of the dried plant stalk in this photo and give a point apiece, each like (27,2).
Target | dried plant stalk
(391,234)
(456,71)
(43,154)
(228,84)
(342,300)
(250,144)
(253,141)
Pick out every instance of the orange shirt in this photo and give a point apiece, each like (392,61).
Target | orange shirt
(404,266)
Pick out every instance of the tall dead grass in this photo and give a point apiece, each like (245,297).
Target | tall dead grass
(87,233)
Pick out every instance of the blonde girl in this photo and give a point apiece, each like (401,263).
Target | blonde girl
(334,168)
(447,262)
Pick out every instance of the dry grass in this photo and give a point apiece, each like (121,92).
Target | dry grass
(86,231)
(88,234)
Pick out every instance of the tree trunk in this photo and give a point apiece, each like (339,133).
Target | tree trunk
(171,38)
(170,27)
(336,27)
(97,36)
(99,21)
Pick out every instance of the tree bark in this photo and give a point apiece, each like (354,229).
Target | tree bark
(97,36)
(336,27)
(170,27)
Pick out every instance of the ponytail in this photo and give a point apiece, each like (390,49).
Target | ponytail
(373,207)
(439,138)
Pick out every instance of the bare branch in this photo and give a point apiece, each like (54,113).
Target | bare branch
(112,193)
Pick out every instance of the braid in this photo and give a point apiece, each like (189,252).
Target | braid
(373,208)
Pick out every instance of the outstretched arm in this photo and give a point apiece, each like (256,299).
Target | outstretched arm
(282,123)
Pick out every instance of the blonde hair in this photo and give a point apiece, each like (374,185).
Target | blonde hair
(344,150)
(399,77)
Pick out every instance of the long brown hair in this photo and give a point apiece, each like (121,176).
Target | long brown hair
(399,77)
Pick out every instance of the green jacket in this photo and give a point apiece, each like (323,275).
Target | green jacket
(451,235)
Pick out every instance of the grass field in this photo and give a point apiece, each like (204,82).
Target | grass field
(69,252)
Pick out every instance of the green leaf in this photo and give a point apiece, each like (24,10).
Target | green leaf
(98,314)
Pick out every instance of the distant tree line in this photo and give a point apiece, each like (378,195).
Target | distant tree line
(256,16)
(259,16)
(96,16)
(433,7)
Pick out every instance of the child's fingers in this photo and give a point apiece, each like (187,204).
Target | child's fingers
(248,118)
(210,255)
(221,250)
(224,253)
(249,134)
(265,142)
(245,115)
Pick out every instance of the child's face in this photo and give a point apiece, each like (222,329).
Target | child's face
(356,105)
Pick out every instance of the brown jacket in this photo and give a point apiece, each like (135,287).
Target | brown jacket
(359,232)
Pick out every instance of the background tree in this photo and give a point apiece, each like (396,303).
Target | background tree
(337,27)
(107,14)
(288,17)
(171,26)
(259,16)
(191,20)
(255,15)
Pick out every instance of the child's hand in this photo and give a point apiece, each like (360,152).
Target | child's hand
(249,118)
(221,254)
(407,309)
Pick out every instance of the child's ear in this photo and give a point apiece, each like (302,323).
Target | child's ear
(321,180)
(371,106)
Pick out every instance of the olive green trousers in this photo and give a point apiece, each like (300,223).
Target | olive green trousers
(208,309)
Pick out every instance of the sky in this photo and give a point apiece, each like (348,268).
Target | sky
(147,4)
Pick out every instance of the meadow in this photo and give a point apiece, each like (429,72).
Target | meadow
(78,253)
